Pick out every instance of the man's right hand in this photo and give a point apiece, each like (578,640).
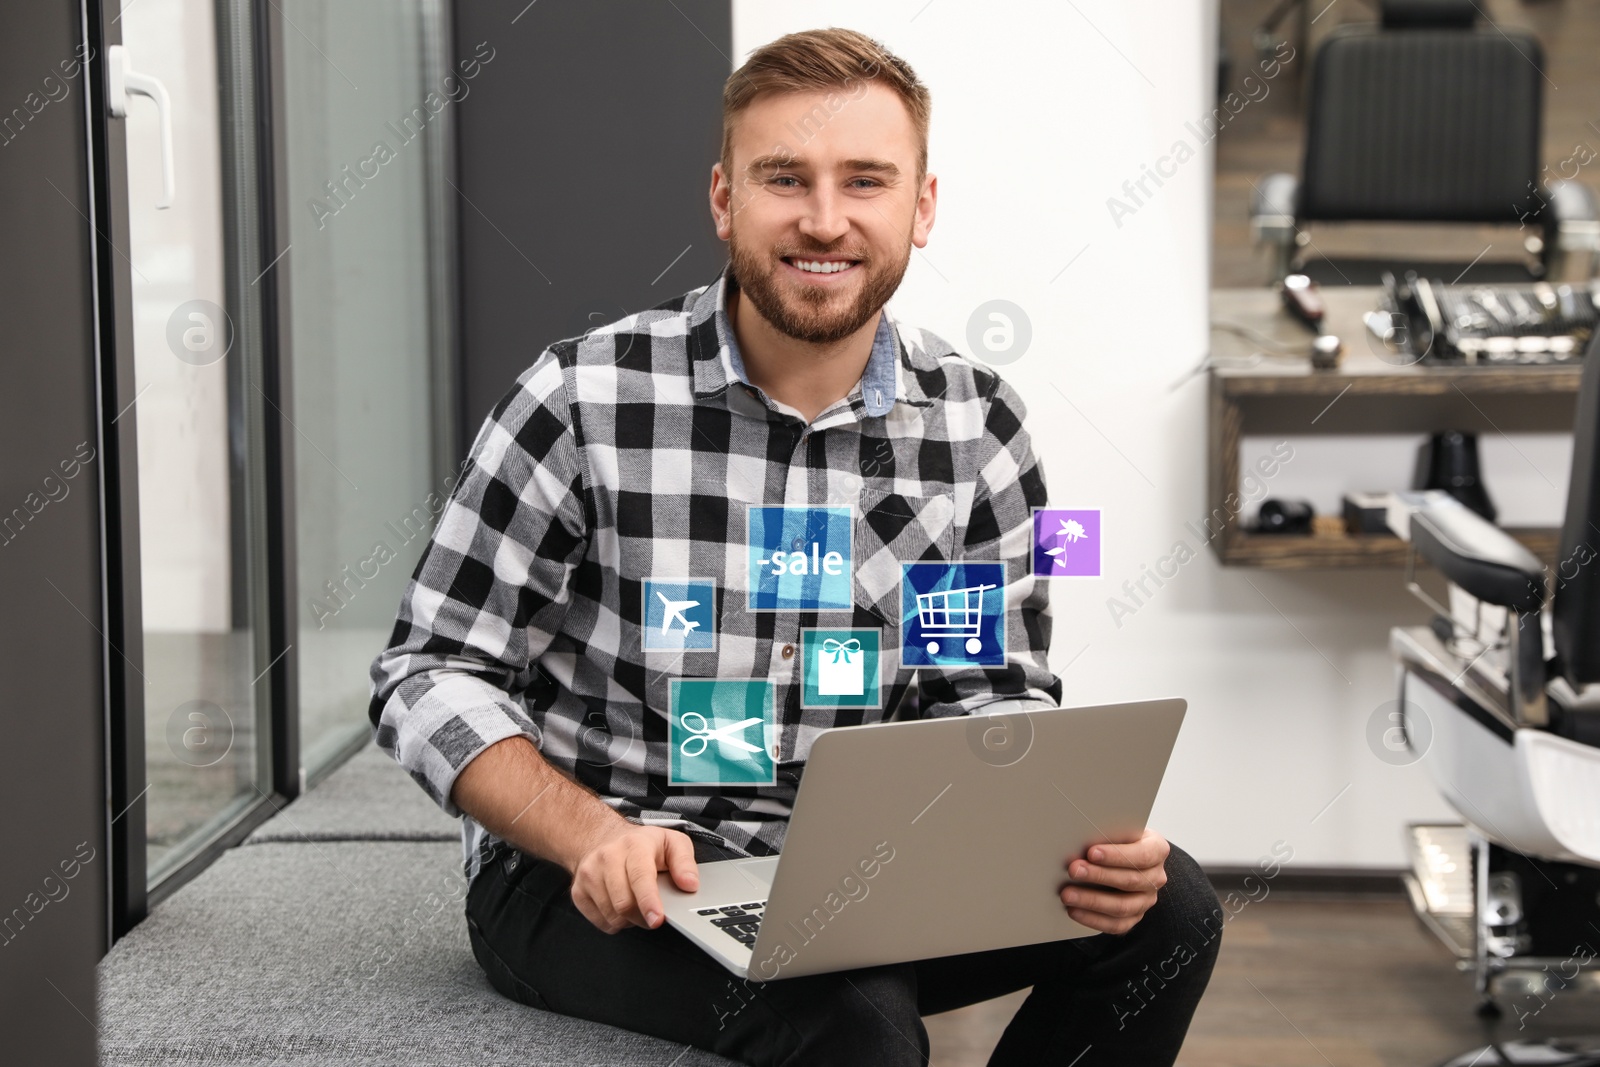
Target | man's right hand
(614,881)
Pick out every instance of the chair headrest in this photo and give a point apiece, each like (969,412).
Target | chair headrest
(1430,14)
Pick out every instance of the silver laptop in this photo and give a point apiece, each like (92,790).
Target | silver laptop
(912,840)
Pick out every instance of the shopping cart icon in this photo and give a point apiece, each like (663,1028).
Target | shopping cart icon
(950,613)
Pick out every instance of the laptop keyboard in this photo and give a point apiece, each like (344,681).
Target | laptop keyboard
(739,921)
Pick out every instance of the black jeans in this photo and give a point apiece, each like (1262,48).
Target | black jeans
(1107,999)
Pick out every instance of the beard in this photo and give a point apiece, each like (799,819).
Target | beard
(809,313)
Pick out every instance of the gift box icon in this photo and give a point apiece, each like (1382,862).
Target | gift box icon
(839,668)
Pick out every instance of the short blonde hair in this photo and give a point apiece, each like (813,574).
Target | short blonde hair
(814,60)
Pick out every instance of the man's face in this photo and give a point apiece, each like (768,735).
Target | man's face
(822,207)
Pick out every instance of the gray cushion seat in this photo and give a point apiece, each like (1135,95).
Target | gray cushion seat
(334,935)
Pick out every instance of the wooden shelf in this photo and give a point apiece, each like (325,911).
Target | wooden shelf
(1364,375)
(1307,552)
(1259,394)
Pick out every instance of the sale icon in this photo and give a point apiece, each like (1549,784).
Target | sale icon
(799,559)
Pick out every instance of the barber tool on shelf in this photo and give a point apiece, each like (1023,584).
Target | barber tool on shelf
(1303,300)
(1326,351)
(1449,461)
(1366,513)
(1284,517)
(1536,324)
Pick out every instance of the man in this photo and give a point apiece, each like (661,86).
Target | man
(519,689)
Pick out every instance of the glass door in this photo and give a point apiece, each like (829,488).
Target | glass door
(280,297)
(197,417)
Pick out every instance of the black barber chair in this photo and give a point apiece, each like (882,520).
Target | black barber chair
(1498,698)
(1426,118)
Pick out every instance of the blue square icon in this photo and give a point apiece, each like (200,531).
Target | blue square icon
(840,668)
(800,559)
(679,614)
(952,615)
(721,731)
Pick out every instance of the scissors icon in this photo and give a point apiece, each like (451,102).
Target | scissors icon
(704,734)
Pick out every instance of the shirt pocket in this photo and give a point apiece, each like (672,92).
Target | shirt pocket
(893,529)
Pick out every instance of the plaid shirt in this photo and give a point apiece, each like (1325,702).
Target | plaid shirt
(633,451)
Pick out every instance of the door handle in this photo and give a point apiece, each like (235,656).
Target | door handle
(124,81)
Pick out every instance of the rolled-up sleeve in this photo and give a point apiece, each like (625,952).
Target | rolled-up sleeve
(489,593)
(1010,485)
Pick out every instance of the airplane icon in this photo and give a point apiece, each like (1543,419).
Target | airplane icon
(664,620)
(675,610)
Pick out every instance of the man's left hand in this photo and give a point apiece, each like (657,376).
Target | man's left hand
(1132,872)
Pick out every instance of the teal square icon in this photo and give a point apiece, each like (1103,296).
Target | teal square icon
(840,668)
(721,731)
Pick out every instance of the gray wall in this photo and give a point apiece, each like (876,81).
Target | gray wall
(51,792)
(585,153)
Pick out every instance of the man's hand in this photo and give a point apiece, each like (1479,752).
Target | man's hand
(1134,870)
(614,882)
(613,862)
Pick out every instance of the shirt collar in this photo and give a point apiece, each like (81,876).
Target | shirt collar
(717,365)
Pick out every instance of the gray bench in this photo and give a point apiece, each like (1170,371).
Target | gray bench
(334,935)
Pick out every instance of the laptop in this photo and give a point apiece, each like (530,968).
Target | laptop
(933,837)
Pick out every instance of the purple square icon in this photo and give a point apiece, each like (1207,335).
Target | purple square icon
(1066,542)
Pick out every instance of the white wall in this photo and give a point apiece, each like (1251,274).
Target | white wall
(1041,112)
